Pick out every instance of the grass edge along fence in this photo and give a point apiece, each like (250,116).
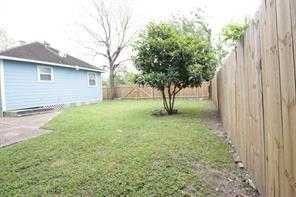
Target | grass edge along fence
(136,92)
(254,91)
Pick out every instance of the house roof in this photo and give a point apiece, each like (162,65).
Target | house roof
(43,53)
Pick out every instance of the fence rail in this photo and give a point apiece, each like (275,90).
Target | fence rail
(255,94)
(135,92)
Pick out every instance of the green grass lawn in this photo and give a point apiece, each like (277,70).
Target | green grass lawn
(117,148)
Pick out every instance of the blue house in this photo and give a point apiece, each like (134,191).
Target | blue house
(37,75)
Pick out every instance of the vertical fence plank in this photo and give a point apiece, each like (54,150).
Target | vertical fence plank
(233,96)
(259,144)
(272,100)
(241,101)
(249,80)
(246,101)
(287,74)
(293,134)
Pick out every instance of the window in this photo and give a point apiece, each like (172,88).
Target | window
(92,79)
(45,74)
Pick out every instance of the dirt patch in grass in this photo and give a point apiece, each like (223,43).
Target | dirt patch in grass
(59,163)
(223,183)
(99,151)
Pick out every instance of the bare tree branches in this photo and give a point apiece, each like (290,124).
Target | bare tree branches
(111,35)
(5,41)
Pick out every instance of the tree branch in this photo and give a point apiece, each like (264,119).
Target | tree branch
(175,93)
(119,63)
(97,37)
(170,96)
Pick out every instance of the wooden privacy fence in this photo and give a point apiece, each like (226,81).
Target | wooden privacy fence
(135,92)
(254,91)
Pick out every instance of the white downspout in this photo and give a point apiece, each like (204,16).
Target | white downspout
(102,91)
(3,103)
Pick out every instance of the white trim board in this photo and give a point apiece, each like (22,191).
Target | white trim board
(49,63)
(3,102)
(102,91)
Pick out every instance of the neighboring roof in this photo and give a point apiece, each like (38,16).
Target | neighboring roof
(39,52)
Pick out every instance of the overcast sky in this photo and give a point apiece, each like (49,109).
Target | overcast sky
(55,21)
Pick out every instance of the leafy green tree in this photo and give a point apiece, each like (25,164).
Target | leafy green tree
(129,78)
(233,31)
(229,36)
(170,61)
(125,77)
(105,82)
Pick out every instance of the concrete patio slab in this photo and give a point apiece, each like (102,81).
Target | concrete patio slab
(13,130)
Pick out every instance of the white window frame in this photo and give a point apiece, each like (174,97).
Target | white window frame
(51,73)
(96,80)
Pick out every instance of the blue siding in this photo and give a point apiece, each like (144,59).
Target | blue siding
(22,89)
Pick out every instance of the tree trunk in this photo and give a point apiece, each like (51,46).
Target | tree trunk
(210,90)
(168,105)
(171,107)
(165,104)
(171,110)
(112,84)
